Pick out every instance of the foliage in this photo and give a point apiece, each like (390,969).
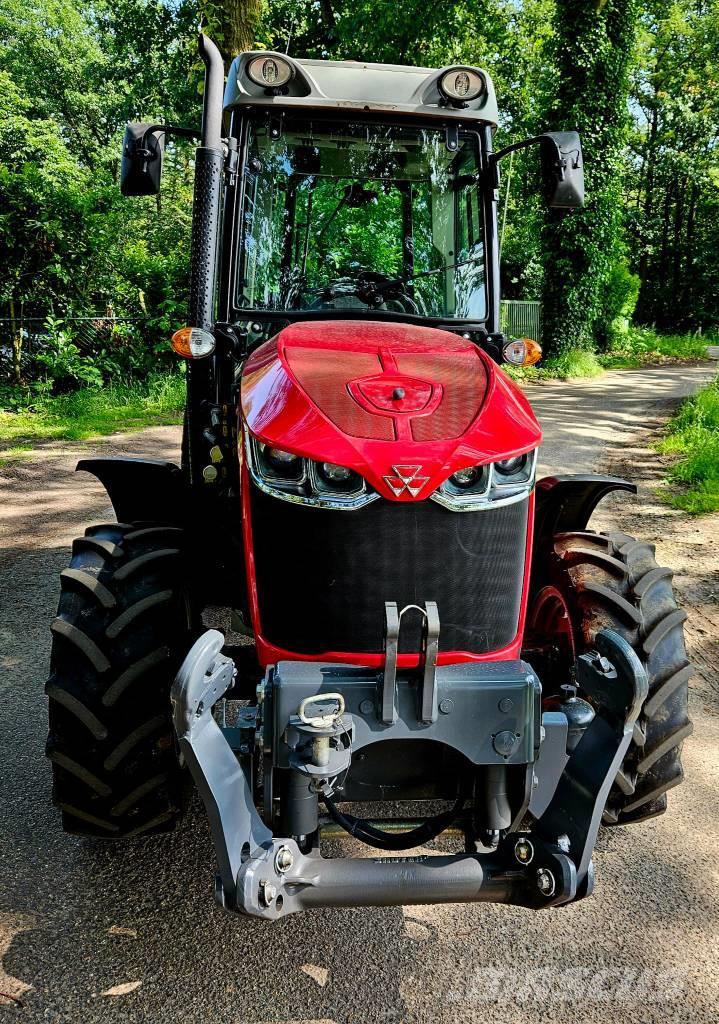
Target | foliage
(672,196)
(572,364)
(89,412)
(69,244)
(694,437)
(642,345)
(618,300)
(73,71)
(63,361)
(638,347)
(592,49)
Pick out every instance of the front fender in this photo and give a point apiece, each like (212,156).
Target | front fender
(564,504)
(147,490)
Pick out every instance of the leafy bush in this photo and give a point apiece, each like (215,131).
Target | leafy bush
(642,345)
(575,363)
(63,361)
(619,297)
(34,415)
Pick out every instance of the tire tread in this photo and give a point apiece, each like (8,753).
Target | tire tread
(123,626)
(639,603)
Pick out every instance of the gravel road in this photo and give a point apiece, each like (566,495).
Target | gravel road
(92,932)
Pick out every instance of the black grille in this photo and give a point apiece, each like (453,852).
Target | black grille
(323,576)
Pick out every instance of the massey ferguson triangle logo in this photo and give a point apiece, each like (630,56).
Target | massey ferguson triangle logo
(406,478)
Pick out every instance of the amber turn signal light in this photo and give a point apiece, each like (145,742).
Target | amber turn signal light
(522,352)
(193,343)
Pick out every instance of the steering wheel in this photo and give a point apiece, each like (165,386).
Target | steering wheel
(375,289)
(372,288)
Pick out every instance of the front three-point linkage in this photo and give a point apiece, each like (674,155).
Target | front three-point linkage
(271,876)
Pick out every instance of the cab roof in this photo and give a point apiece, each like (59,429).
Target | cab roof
(348,86)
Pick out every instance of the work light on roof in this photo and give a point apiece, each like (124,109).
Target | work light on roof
(461,84)
(272,72)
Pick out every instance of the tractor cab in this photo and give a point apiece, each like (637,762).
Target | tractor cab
(363,190)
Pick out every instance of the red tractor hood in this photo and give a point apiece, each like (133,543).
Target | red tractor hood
(390,401)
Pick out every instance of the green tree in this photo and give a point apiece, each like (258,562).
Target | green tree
(673,165)
(588,92)
(71,74)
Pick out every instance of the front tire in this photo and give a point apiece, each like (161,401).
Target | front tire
(594,581)
(122,628)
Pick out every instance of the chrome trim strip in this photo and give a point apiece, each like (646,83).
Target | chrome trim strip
(481,504)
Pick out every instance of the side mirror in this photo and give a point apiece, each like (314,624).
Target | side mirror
(562,169)
(141,167)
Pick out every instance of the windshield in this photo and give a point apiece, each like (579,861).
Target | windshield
(362,217)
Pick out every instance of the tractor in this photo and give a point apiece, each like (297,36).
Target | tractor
(434,656)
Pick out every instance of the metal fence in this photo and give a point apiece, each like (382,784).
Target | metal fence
(521,319)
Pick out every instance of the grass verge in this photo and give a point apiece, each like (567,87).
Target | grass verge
(642,345)
(572,364)
(693,436)
(90,412)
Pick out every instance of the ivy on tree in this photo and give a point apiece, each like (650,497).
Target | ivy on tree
(592,56)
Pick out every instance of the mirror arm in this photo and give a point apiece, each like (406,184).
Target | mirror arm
(147,154)
(169,129)
(538,140)
(524,144)
(561,157)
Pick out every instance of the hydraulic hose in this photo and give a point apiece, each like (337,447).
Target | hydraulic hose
(361,829)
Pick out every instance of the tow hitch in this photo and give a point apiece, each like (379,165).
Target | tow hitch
(544,860)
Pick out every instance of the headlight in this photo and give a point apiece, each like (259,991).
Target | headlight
(272,72)
(461,84)
(486,486)
(286,465)
(505,467)
(516,472)
(335,474)
(466,477)
(294,478)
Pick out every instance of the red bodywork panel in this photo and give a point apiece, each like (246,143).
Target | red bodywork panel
(381,398)
(325,390)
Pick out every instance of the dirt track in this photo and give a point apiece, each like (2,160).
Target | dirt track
(93,932)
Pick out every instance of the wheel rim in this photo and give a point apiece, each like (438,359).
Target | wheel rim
(550,626)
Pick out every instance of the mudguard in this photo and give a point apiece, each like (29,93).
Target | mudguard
(148,490)
(566,503)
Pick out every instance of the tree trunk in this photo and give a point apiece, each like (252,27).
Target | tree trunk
(16,332)
(649,170)
(593,50)
(688,270)
(677,248)
(234,25)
